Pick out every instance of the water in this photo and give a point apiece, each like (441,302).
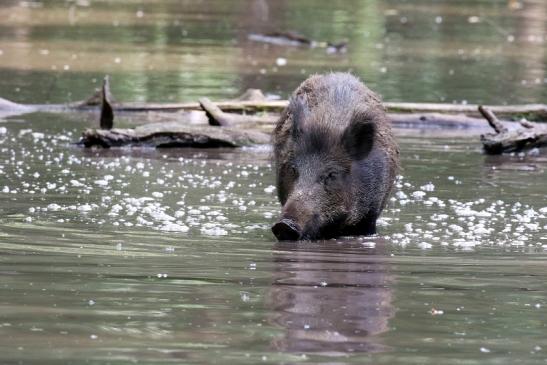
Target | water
(165,256)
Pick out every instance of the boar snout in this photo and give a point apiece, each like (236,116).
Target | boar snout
(286,230)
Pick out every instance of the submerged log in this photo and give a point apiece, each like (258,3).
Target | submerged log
(253,102)
(173,134)
(528,136)
(492,120)
(537,112)
(217,117)
(178,134)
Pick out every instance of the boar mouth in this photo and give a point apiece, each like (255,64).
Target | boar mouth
(286,230)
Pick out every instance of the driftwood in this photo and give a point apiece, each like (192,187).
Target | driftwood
(534,112)
(217,117)
(253,102)
(492,120)
(529,111)
(223,134)
(528,136)
(252,110)
(173,134)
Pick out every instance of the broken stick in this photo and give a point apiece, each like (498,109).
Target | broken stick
(107,114)
(492,119)
(528,136)
(215,116)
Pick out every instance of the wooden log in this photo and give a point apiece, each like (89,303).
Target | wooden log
(253,105)
(526,137)
(492,119)
(173,134)
(536,112)
(215,116)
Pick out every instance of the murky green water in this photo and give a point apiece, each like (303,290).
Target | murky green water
(166,256)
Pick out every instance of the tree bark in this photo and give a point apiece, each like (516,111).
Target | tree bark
(173,134)
(528,136)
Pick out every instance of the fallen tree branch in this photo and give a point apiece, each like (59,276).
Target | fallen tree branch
(215,116)
(527,136)
(528,111)
(492,119)
(536,112)
(173,134)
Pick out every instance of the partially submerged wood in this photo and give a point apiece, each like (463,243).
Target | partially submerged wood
(492,119)
(107,114)
(537,112)
(528,136)
(253,102)
(217,117)
(173,134)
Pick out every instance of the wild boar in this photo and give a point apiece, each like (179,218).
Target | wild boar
(335,159)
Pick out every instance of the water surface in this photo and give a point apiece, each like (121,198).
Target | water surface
(122,256)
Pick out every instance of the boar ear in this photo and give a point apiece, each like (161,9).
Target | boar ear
(358,138)
(299,109)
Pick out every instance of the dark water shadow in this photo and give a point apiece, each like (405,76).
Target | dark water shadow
(527,162)
(331,298)
(258,155)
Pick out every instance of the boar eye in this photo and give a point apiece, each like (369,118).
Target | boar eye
(331,177)
(292,170)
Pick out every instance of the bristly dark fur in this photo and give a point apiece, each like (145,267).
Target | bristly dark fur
(335,157)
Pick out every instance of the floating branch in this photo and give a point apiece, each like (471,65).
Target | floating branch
(173,134)
(253,102)
(527,136)
(492,120)
(217,117)
(530,111)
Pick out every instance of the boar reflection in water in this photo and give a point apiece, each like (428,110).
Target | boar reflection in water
(331,298)
(335,159)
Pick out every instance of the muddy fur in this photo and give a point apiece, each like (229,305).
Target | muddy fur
(335,158)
